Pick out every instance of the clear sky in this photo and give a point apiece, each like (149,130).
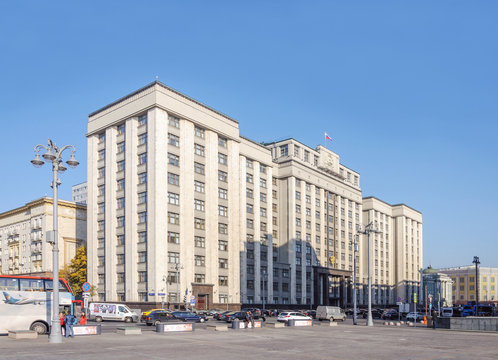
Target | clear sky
(407,89)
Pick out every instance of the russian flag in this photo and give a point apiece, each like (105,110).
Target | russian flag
(327,137)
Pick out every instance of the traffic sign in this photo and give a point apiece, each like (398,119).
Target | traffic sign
(192,302)
(415,298)
(152,294)
(399,299)
(161,294)
(86,286)
(192,297)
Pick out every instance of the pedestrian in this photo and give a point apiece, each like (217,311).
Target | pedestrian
(275,312)
(69,321)
(251,318)
(434,318)
(83,318)
(248,319)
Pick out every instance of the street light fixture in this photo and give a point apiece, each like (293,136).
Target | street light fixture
(54,154)
(367,230)
(477,262)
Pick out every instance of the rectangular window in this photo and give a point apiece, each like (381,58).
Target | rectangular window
(223,263)
(222,210)
(142,158)
(222,141)
(121,147)
(101,208)
(262,182)
(142,256)
(142,197)
(262,212)
(199,205)
(222,159)
(142,139)
(121,221)
(121,165)
(199,223)
(173,199)
(121,184)
(173,140)
(249,193)
(121,129)
(199,132)
(262,197)
(121,203)
(173,237)
(101,137)
(222,193)
(199,150)
(198,186)
(298,195)
(249,208)
(250,224)
(223,280)
(120,239)
(173,159)
(262,169)
(222,245)
(284,150)
(142,237)
(101,154)
(101,243)
(199,168)
(173,257)
(249,164)
(199,278)
(200,260)
(142,178)
(120,259)
(173,218)
(120,277)
(142,217)
(174,121)
(222,176)
(173,179)
(222,228)
(199,241)
(101,172)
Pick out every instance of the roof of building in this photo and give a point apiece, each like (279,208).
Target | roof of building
(40,201)
(167,88)
(392,205)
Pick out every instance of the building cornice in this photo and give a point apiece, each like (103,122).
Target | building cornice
(39,202)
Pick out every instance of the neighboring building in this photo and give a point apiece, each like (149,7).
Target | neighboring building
(180,203)
(80,193)
(396,251)
(23,248)
(438,287)
(464,284)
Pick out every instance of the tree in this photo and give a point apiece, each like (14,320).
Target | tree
(75,273)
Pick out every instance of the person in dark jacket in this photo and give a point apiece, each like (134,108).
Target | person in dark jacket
(69,322)
(434,318)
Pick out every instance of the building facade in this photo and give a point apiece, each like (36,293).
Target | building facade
(464,284)
(23,246)
(396,251)
(180,204)
(79,193)
(436,289)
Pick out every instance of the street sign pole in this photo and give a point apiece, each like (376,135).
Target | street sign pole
(415,301)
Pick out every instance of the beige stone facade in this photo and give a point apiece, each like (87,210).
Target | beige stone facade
(23,245)
(179,203)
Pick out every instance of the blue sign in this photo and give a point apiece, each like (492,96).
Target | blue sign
(161,294)
(192,302)
(86,287)
(152,294)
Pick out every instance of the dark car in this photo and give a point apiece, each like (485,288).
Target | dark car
(226,315)
(239,315)
(159,316)
(376,314)
(389,314)
(188,316)
(218,316)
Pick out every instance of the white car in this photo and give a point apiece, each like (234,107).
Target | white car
(411,316)
(286,316)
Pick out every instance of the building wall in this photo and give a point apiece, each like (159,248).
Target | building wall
(79,193)
(23,245)
(270,215)
(464,284)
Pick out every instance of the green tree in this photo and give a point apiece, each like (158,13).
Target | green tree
(75,273)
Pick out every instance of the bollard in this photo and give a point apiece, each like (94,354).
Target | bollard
(160,328)
(290,322)
(236,324)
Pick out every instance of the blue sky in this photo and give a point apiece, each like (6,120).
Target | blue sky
(407,90)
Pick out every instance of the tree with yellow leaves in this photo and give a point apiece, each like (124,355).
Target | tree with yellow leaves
(75,273)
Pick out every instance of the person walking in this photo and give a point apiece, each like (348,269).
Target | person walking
(434,318)
(69,321)
(248,319)
(83,318)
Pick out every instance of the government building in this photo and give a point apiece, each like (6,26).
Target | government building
(181,206)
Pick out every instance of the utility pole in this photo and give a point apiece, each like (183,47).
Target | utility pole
(477,262)
(355,250)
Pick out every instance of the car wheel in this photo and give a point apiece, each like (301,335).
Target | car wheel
(201,320)
(157,322)
(39,327)
(98,318)
(128,320)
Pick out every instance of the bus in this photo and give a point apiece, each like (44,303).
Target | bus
(26,302)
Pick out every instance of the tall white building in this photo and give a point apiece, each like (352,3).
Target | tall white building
(179,203)
(79,193)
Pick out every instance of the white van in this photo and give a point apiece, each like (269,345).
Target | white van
(106,311)
(332,313)
(447,312)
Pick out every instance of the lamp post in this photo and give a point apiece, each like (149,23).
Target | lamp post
(178,266)
(477,262)
(54,154)
(265,276)
(355,250)
(367,230)
(165,279)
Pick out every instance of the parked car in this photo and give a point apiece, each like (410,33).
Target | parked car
(332,313)
(376,314)
(447,312)
(158,316)
(213,312)
(107,311)
(286,316)
(240,315)
(188,316)
(389,314)
(411,317)
(146,313)
(310,313)
(225,315)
